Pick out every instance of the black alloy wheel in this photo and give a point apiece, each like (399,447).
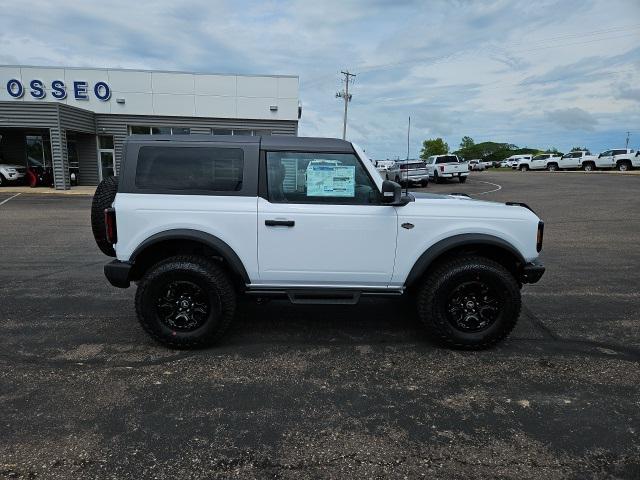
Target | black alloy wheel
(186,301)
(469,302)
(473,306)
(183,306)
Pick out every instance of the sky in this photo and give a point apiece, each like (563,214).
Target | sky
(543,73)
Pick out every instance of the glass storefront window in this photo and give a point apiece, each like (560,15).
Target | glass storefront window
(38,151)
(105,141)
(138,130)
(106,164)
(142,130)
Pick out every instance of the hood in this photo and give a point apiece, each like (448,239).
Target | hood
(461,199)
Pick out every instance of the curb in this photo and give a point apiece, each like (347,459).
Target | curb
(46,191)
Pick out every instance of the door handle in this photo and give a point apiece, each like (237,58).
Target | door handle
(279,223)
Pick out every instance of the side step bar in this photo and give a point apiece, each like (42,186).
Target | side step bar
(321,296)
(328,297)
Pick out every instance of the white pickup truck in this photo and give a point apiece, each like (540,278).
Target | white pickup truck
(544,161)
(579,159)
(619,158)
(441,167)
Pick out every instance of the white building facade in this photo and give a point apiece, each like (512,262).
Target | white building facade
(73,121)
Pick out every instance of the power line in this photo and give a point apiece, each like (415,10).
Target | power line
(346,96)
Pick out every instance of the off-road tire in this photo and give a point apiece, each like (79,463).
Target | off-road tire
(588,167)
(462,179)
(206,274)
(103,198)
(524,168)
(552,167)
(623,166)
(436,178)
(433,297)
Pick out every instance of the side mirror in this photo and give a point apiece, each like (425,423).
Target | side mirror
(392,194)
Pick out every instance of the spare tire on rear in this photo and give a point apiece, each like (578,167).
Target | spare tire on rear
(103,198)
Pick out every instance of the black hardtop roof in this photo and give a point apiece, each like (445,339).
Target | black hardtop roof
(266,142)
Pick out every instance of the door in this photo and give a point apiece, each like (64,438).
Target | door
(322,223)
(106,157)
(605,159)
(539,162)
(570,160)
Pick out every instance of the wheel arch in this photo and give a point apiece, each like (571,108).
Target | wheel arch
(470,243)
(180,241)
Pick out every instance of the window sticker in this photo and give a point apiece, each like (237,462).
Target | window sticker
(331,180)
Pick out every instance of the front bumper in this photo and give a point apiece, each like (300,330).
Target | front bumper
(118,273)
(532,272)
(15,176)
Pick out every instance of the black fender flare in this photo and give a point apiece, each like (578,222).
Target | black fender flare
(226,252)
(443,246)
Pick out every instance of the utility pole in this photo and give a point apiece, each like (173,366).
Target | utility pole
(408,136)
(627,145)
(346,96)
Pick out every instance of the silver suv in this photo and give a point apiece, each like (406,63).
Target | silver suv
(407,172)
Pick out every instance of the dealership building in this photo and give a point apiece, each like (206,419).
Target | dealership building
(74,121)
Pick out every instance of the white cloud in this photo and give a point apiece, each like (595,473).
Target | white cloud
(509,71)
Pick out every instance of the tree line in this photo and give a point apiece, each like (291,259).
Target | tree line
(486,151)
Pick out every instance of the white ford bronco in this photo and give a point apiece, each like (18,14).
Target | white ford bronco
(196,221)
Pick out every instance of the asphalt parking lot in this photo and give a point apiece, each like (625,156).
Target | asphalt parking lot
(327,391)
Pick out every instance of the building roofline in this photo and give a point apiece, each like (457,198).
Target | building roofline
(52,67)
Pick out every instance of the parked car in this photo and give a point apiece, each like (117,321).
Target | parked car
(232,226)
(544,161)
(11,173)
(441,167)
(620,158)
(513,160)
(579,159)
(476,165)
(409,172)
(383,165)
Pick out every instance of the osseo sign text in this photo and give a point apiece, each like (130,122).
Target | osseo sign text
(79,89)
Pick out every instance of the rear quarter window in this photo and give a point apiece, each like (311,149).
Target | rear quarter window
(190,168)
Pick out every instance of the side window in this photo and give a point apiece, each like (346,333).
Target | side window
(190,168)
(333,178)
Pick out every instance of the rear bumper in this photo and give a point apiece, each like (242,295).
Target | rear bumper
(118,273)
(532,272)
(418,178)
(453,175)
